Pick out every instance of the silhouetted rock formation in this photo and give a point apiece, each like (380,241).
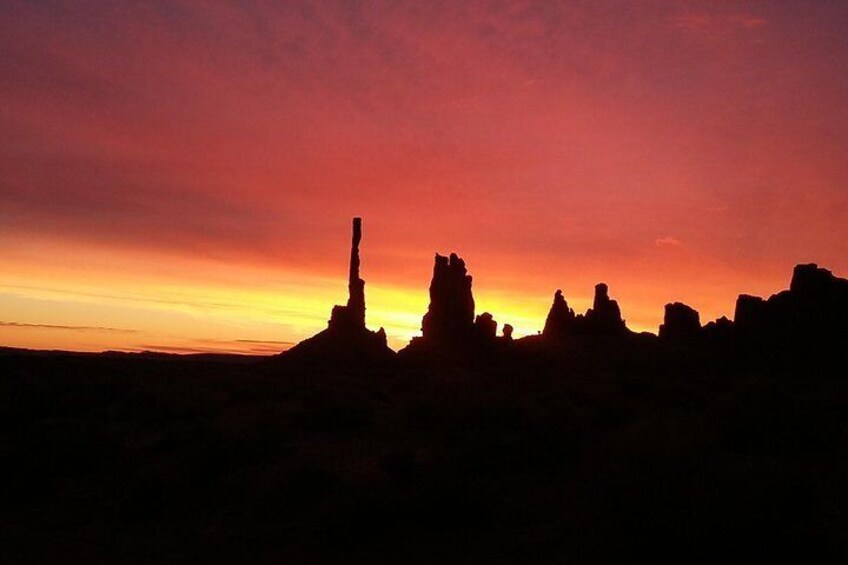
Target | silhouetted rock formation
(750,312)
(721,329)
(681,322)
(450,315)
(485,326)
(605,316)
(811,282)
(449,328)
(346,338)
(603,319)
(561,319)
(812,314)
(352,316)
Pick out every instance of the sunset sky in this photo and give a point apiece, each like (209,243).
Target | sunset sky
(180,176)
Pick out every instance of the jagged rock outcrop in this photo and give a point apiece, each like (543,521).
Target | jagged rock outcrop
(450,315)
(812,313)
(449,328)
(681,322)
(605,316)
(720,330)
(809,281)
(750,312)
(818,301)
(346,339)
(561,319)
(811,316)
(602,319)
(485,326)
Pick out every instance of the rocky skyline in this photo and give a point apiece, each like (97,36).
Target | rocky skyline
(813,312)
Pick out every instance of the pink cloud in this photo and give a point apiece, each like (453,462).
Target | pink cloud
(668,241)
(715,23)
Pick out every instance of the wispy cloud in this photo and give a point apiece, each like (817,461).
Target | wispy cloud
(234,346)
(201,349)
(63,327)
(181,349)
(710,23)
(668,241)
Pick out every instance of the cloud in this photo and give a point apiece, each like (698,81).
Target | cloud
(61,327)
(185,350)
(708,23)
(222,346)
(668,241)
(194,349)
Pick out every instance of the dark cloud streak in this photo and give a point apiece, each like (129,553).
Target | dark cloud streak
(63,327)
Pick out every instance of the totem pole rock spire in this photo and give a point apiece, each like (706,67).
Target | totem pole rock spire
(355,285)
(346,339)
(352,315)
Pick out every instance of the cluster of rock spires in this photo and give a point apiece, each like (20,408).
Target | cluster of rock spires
(450,316)
(602,319)
(813,312)
(449,326)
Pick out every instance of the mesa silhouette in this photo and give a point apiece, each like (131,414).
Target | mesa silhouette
(806,321)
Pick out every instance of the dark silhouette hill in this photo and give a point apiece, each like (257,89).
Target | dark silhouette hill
(635,453)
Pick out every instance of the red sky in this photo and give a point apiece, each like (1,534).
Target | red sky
(181,176)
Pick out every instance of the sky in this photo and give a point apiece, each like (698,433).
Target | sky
(181,176)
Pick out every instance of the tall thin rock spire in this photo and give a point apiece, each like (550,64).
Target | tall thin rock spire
(356,286)
(346,339)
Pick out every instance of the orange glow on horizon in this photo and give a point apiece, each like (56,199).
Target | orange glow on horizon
(181,176)
(180,304)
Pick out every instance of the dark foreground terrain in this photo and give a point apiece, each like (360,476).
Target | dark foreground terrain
(601,459)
